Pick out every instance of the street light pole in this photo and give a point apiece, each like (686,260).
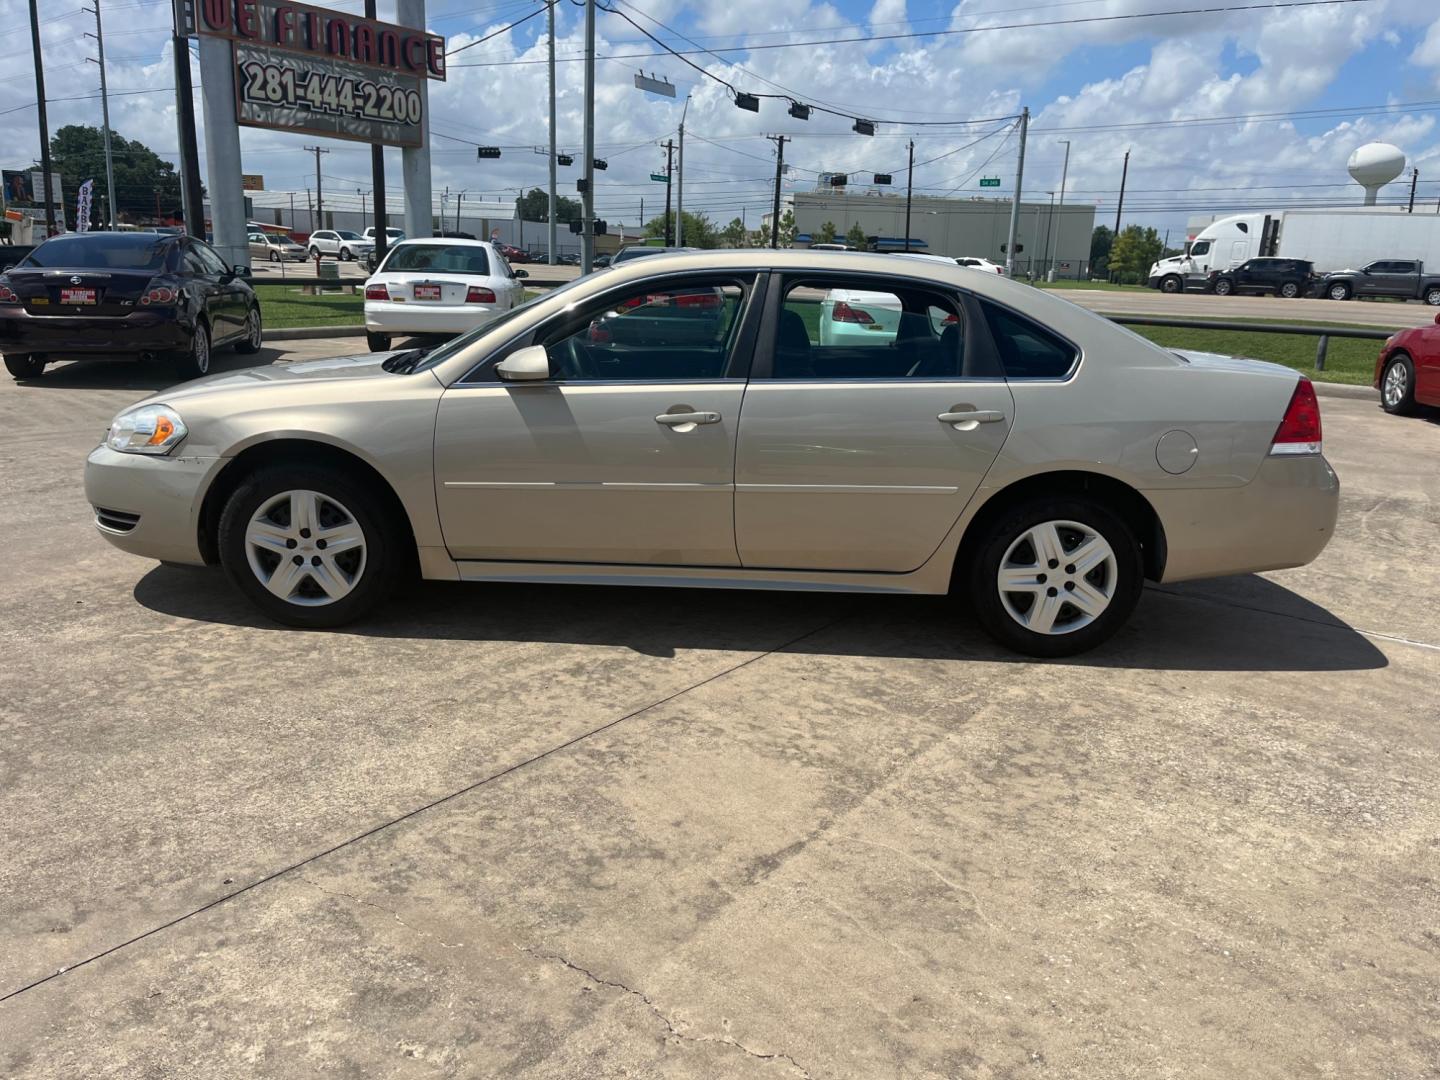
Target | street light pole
(1015,199)
(909,190)
(554,149)
(587,236)
(44,124)
(1064,174)
(99,36)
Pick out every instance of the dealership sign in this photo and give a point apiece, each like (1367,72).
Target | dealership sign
(309,69)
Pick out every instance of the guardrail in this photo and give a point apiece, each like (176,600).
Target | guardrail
(1324,333)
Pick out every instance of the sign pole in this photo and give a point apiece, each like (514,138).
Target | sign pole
(415,160)
(44,123)
(552,239)
(1015,198)
(587,235)
(222,152)
(377,180)
(191,198)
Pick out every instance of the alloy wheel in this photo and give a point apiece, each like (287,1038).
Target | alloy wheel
(200,350)
(1057,577)
(1397,381)
(306,548)
(254,335)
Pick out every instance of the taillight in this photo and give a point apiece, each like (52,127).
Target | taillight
(478,294)
(1299,431)
(377,292)
(951,320)
(843,312)
(7,295)
(697,300)
(161,294)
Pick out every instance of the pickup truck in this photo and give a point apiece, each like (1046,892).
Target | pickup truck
(1405,279)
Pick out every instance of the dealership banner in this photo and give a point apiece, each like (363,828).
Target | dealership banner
(82,206)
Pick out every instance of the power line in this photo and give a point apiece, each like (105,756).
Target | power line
(503,29)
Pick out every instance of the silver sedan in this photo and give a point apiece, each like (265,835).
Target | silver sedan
(683,420)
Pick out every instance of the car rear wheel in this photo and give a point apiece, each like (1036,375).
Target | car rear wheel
(314,253)
(1290,289)
(1338,291)
(1397,386)
(1223,287)
(377,342)
(309,546)
(196,361)
(1432,296)
(1056,576)
(25,366)
(254,335)
(274,257)
(345,255)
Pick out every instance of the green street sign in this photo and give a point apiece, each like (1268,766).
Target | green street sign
(990,181)
(659,178)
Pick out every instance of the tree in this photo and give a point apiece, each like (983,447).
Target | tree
(534,205)
(856,238)
(787,230)
(1101,241)
(734,234)
(1133,252)
(826,233)
(699,232)
(144,182)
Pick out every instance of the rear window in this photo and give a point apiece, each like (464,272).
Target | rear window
(103,251)
(443,258)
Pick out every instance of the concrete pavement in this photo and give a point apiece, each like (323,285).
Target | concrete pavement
(554,832)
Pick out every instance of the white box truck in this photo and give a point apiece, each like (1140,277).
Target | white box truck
(1331,239)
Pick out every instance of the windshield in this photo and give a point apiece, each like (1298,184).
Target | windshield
(443,258)
(109,251)
(346,234)
(456,345)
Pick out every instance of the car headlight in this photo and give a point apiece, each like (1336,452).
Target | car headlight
(150,429)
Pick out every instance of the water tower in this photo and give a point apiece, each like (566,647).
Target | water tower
(1374,165)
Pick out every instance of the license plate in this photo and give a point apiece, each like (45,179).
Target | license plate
(77,296)
(427,292)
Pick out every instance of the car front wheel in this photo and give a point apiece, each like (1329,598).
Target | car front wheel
(377,342)
(314,253)
(1397,386)
(1055,576)
(254,335)
(1338,291)
(25,366)
(309,546)
(195,362)
(1171,284)
(1223,287)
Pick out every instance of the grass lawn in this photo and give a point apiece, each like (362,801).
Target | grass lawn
(284,306)
(1101,285)
(1349,360)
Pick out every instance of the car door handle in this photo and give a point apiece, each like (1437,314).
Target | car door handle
(971,417)
(680,419)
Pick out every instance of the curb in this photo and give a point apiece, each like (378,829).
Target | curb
(302,333)
(1345,390)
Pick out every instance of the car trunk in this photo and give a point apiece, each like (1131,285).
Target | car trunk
(430,290)
(80,291)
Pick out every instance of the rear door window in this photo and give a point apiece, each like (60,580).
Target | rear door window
(1028,350)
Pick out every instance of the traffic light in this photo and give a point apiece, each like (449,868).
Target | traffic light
(600,228)
(582,185)
(748,102)
(484,152)
(882,178)
(864,127)
(839,179)
(799,111)
(1018,248)
(577,226)
(564,159)
(601,164)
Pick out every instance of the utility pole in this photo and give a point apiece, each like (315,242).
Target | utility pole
(554,149)
(44,123)
(779,172)
(1124,174)
(459,201)
(1064,175)
(362,203)
(1414,179)
(680,182)
(99,37)
(377,182)
(1014,235)
(669,163)
(1049,228)
(909,189)
(587,202)
(319,199)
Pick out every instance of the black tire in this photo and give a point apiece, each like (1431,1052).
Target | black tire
(253,336)
(1403,402)
(315,253)
(25,365)
(384,546)
(981,577)
(344,255)
(377,342)
(1432,295)
(1224,287)
(1338,291)
(1289,289)
(195,361)
(1171,284)
(274,257)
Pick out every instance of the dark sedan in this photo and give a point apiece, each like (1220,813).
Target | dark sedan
(133,295)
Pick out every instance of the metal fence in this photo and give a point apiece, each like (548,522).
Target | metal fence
(1324,333)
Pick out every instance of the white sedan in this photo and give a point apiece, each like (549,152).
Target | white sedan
(438,286)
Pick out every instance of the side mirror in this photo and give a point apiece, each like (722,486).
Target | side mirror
(530,364)
(242,272)
(522,273)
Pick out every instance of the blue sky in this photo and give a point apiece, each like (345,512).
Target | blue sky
(1080,81)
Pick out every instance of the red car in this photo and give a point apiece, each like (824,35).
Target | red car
(1407,372)
(513,254)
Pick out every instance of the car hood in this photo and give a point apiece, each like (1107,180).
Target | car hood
(330,369)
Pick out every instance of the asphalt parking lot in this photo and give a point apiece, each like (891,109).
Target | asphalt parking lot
(565,831)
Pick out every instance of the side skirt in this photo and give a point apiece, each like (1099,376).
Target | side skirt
(918,583)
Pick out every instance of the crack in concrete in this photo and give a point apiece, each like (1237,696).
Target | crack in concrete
(964,890)
(380,907)
(660,1015)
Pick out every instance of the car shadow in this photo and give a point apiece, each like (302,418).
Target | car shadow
(1237,624)
(124,374)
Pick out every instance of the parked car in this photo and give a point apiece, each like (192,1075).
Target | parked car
(859,317)
(342,243)
(512,253)
(977,263)
(1282,277)
(131,295)
(1407,372)
(599,262)
(1403,279)
(392,234)
(273,247)
(438,286)
(641,251)
(1032,457)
